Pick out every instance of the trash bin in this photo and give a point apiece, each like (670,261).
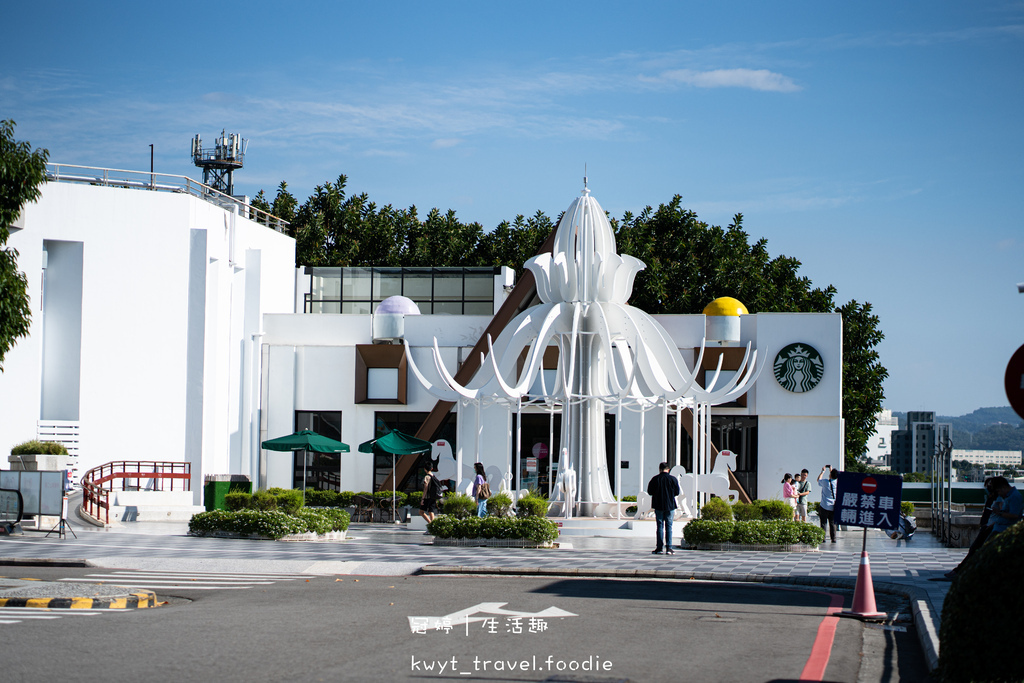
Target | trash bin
(218,486)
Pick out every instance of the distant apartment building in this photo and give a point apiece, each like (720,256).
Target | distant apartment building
(914,446)
(1001,459)
(880,442)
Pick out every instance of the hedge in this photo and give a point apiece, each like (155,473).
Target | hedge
(983,614)
(536,529)
(269,523)
(753,532)
(716,509)
(36,447)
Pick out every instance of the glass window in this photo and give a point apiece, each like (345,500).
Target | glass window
(448,287)
(386,282)
(478,308)
(355,283)
(418,284)
(450,307)
(382,383)
(320,471)
(479,286)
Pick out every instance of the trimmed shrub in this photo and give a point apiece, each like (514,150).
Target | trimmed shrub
(271,524)
(499,505)
(238,500)
(414,498)
(263,500)
(907,508)
(700,531)
(36,447)
(752,532)
(458,505)
(745,511)
(321,499)
(345,499)
(534,529)
(532,506)
(775,509)
(716,509)
(756,533)
(983,614)
(288,500)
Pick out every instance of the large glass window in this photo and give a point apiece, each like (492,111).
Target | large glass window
(736,433)
(409,423)
(456,291)
(322,471)
(541,450)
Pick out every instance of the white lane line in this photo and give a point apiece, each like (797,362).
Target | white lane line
(183,582)
(209,575)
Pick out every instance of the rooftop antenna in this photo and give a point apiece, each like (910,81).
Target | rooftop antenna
(219,163)
(585,178)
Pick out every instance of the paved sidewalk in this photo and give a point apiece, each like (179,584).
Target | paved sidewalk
(897,566)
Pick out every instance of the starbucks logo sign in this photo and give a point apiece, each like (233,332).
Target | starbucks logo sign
(798,368)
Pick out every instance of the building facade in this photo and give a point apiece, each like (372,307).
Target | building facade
(914,447)
(171,327)
(146,301)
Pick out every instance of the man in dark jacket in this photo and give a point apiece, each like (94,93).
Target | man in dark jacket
(663,489)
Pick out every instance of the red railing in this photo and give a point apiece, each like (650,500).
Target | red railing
(96,491)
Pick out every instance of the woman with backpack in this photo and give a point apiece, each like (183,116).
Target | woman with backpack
(431,493)
(481,490)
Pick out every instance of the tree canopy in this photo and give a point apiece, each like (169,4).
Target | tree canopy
(689,264)
(22,172)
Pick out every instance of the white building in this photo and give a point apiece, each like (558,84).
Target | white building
(880,442)
(1001,459)
(144,307)
(147,306)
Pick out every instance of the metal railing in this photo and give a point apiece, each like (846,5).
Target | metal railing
(96,493)
(160,182)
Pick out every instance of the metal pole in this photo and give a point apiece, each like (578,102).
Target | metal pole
(151,183)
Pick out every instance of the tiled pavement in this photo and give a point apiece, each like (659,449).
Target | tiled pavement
(904,567)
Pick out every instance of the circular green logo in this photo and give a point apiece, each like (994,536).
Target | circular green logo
(798,368)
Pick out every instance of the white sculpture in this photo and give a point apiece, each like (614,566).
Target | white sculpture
(565,489)
(609,353)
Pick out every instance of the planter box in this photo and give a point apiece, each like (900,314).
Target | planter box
(329,536)
(795,548)
(493,543)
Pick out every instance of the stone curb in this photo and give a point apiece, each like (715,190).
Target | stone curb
(43,562)
(139,600)
(924,620)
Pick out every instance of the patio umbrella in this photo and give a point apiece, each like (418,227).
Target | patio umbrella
(306,440)
(395,442)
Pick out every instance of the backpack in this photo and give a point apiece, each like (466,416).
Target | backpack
(433,488)
(484,492)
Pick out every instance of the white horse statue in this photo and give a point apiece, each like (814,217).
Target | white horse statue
(716,481)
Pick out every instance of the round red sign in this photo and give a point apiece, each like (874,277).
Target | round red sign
(869,484)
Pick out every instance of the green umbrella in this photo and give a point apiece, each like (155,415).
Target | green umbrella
(306,440)
(395,442)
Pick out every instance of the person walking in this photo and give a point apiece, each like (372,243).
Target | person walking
(827,506)
(431,492)
(803,493)
(481,490)
(663,489)
(789,493)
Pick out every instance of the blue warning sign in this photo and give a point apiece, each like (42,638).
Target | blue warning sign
(868,500)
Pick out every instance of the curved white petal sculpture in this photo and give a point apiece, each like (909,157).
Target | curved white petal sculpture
(609,352)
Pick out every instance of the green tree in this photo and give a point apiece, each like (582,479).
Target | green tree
(691,263)
(22,172)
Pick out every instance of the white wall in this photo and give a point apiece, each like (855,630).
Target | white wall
(139,248)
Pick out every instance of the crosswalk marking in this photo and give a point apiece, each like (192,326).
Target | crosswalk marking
(154,580)
(17,615)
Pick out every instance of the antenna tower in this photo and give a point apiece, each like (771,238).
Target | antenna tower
(220,162)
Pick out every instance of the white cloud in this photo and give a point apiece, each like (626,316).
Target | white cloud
(754,79)
(445,143)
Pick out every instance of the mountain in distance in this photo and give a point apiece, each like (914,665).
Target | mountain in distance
(994,429)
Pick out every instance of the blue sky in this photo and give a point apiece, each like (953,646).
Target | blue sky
(880,143)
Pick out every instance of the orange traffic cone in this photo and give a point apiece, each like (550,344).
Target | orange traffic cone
(864,594)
